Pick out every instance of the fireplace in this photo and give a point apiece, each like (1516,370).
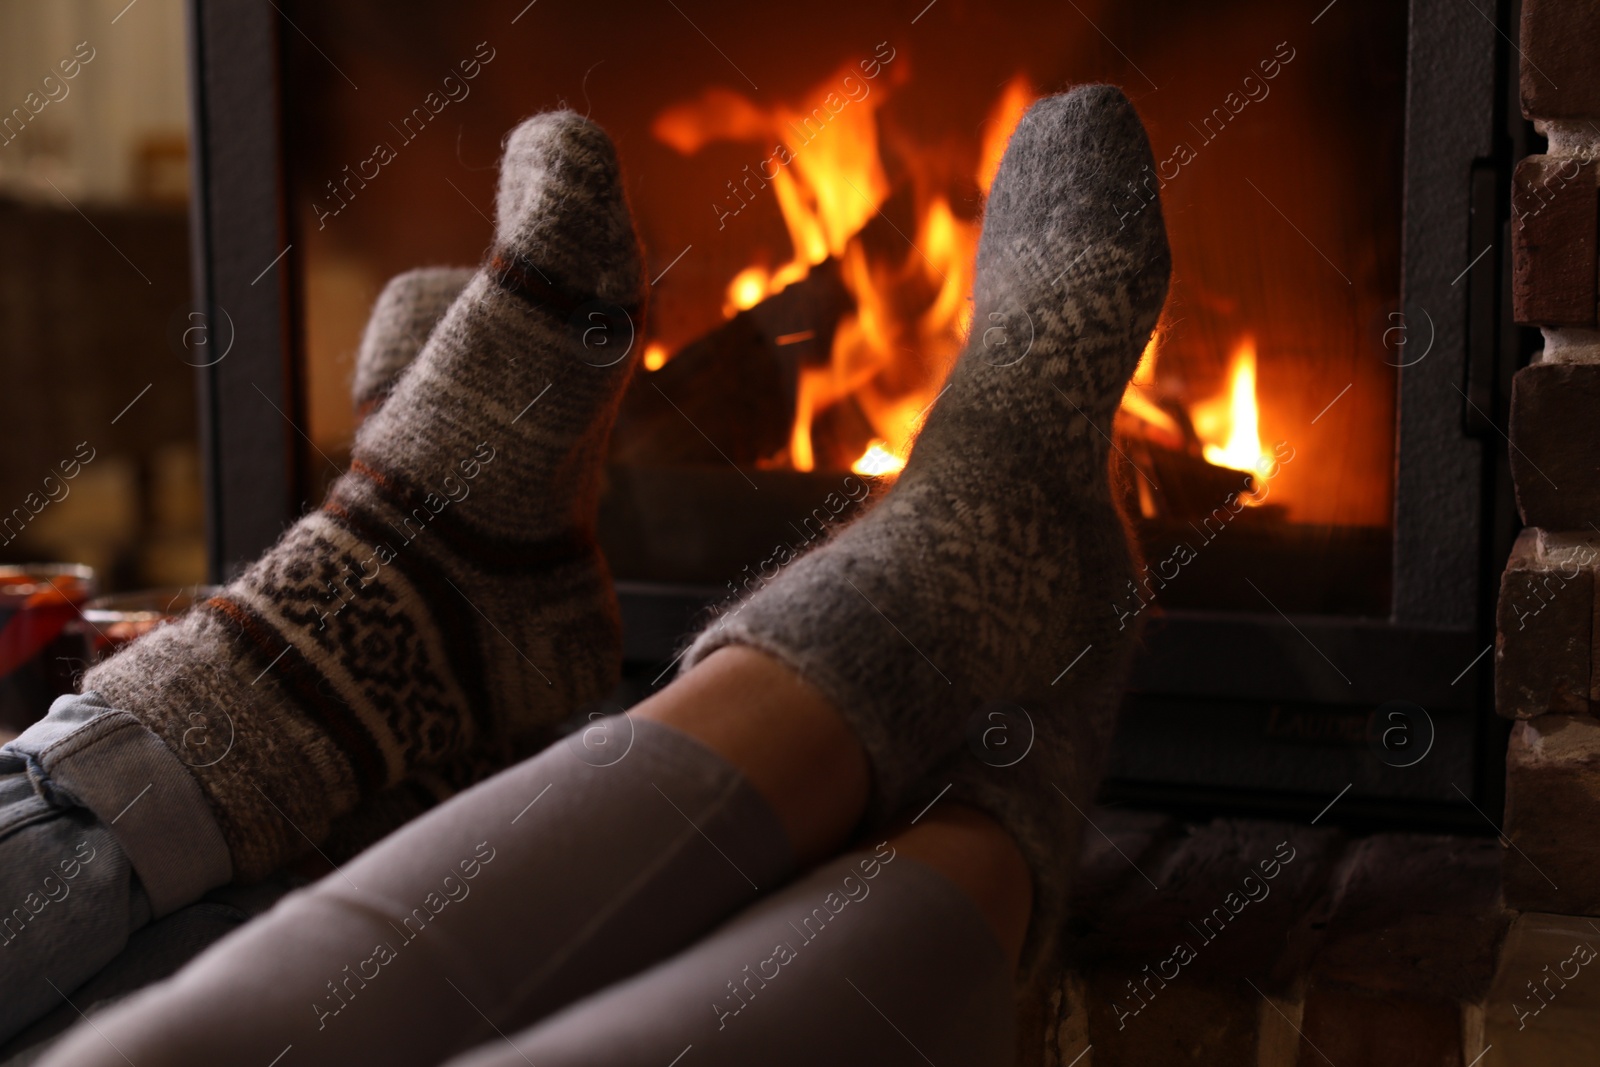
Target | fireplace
(1309,453)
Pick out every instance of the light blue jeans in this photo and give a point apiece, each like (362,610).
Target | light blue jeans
(106,846)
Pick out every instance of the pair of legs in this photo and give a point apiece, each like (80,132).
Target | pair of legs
(579,893)
(701,802)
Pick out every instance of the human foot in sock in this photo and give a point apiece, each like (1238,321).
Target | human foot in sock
(43,811)
(993,564)
(403,318)
(449,595)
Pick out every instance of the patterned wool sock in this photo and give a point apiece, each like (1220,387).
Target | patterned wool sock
(407,310)
(402,320)
(449,597)
(994,563)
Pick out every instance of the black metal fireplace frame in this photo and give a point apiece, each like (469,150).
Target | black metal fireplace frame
(1453,518)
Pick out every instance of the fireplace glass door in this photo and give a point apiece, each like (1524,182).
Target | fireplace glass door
(809,187)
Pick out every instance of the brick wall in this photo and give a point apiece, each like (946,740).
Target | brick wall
(1547,672)
(1363,952)
(1399,949)
(1408,948)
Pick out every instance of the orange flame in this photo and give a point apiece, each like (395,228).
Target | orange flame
(878,462)
(1158,423)
(827,180)
(1019,93)
(825,173)
(890,354)
(1228,425)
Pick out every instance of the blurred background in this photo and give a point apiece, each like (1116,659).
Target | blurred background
(94,286)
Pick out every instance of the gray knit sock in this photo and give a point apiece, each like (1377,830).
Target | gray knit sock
(407,310)
(449,597)
(402,320)
(992,567)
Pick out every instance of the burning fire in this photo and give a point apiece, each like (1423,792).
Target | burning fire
(1003,119)
(748,288)
(827,191)
(1157,424)
(891,353)
(878,462)
(1228,426)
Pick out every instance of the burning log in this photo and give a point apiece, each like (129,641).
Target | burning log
(730,395)
(1172,482)
(1193,458)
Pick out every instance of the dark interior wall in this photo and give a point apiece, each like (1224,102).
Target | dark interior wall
(91,309)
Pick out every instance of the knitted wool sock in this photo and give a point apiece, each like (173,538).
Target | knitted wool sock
(994,563)
(407,310)
(448,598)
(402,320)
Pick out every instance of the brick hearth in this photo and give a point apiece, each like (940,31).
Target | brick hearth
(1364,950)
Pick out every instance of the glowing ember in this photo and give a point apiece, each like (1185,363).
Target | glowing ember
(878,462)
(1227,426)
(748,288)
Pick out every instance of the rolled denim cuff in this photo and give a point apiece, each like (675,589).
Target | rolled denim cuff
(87,754)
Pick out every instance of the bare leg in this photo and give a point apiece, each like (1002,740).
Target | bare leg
(783,735)
(798,752)
(976,854)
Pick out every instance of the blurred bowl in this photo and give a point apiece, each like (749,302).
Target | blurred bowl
(42,650)
(113,621)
